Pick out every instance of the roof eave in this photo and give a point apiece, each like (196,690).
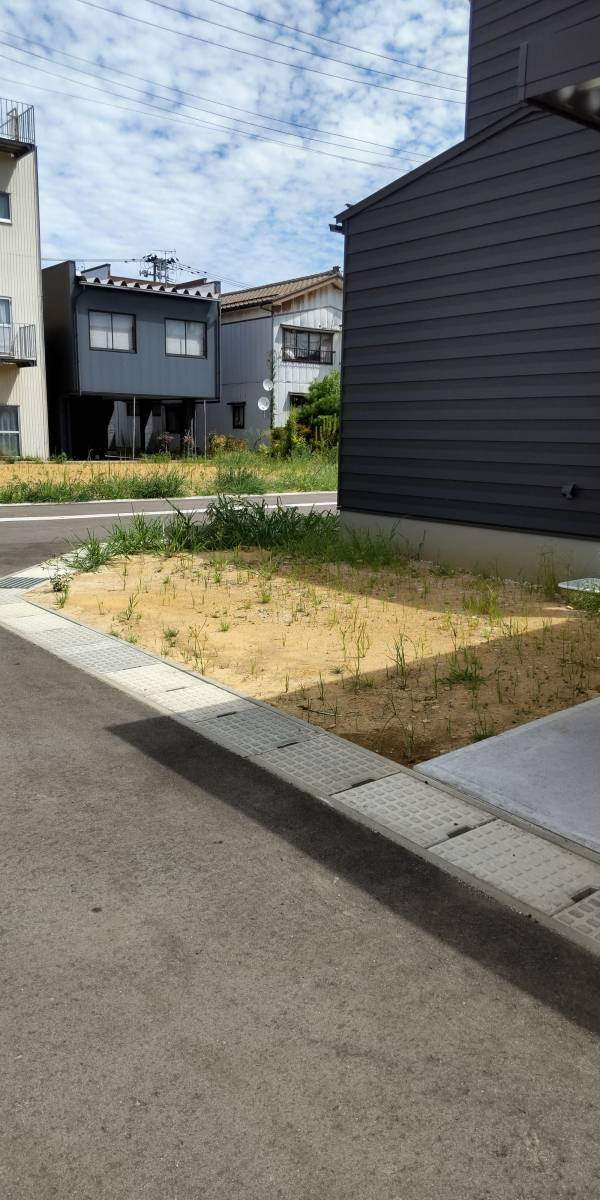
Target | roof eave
(455,151)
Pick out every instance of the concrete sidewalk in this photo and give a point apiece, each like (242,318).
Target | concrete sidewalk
(214,986)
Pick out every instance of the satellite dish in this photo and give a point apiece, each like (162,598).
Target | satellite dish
(268,385)
(264,403)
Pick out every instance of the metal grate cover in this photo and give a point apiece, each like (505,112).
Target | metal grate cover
(414,810)
(68,642)
(326,765)
(255,730)
(198,696)
(525,866)
(22,582)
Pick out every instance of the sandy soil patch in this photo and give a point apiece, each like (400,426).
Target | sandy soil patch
(410,662)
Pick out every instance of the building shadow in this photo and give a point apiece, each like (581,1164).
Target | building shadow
(506,943)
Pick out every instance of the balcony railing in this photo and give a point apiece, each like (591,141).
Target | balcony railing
(323,357)
(17,128)
(17,345)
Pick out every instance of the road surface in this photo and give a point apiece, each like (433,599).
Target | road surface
(215,988)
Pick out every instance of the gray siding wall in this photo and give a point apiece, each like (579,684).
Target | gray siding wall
(59,329)
(498,27)
(247,354)
(471,336)
(148,372)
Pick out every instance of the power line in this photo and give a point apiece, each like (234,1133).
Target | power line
(172,119)
(332,41)
(263,57)
(149,83)
(207,99)
(301,49)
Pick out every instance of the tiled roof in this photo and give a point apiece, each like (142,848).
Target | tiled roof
(267,293)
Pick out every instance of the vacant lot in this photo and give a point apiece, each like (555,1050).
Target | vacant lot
(229,471)
(407,659)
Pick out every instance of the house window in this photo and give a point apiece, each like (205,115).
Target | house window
(300,345)
(6,333)
(10,441)
(185,339)
(112,331)
(238,416)
(5,206)
(297,398)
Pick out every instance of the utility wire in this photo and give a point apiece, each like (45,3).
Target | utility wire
(332,41)
(184,120)
(168,100)
(181,92)
(270,60)
(301,50)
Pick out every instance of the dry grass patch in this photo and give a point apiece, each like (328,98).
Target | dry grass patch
(408,660)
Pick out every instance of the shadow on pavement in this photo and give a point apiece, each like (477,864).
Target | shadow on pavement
(529,956)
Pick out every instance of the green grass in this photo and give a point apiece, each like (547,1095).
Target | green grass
(233,524)
(243,472)
(126,486)
(483,602)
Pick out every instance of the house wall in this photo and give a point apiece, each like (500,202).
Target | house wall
(150,371)
(318,310)
(247,351)
(20,278)
(471,361)
(498,27)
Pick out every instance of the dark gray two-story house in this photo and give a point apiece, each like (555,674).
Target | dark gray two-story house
(471,324)
(132,365)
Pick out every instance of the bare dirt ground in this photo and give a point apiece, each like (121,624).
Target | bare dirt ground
(410,662)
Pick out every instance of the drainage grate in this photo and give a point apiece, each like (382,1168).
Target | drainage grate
(68,642)
(256,730)
(197,696)
(324,765)
(525,866)
(412,809)
(22,582)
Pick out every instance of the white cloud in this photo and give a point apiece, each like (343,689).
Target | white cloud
(118,184)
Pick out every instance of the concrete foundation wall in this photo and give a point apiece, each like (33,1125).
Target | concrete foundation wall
(470,547)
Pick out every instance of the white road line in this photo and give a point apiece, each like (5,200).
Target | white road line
(156,512)
(142,499)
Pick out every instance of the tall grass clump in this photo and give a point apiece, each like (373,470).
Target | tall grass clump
(239,480)
(126,486)
(232,524)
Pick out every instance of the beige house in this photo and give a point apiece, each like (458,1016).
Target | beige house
(23,408)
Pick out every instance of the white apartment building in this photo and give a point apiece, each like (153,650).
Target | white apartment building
(288,333)
(23,407)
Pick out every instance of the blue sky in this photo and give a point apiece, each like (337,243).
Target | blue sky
(143,133)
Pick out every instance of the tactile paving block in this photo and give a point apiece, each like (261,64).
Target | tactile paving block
(524,866)
(253,731)
(108,658)
(584,917)
(151,676)
(8,597)
(22,582)
(414,810)
(325,765)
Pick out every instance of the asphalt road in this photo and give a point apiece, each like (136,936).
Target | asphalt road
(214,988)
(31,532)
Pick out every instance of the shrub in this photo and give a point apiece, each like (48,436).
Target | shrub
(317,422)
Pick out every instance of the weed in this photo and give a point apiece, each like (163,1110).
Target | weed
(466,668)
(482,603)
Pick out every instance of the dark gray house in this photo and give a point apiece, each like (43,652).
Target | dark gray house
(129,359)
(471,325)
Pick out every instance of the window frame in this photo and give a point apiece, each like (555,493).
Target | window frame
(7,220)
(105,312)
(238,406)
(185,321)
(11,432)
(294,331)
